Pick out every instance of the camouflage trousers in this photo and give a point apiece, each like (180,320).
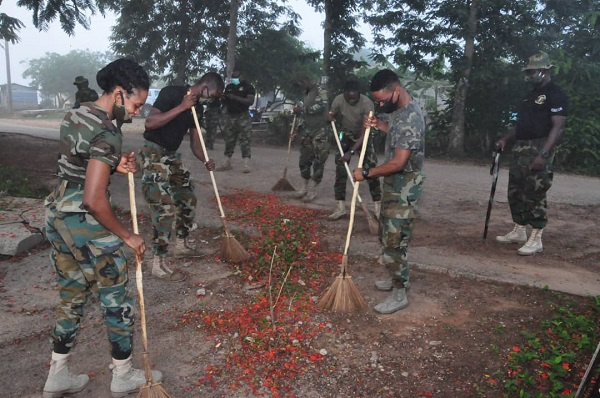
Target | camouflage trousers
(526,188)
(401,193)
(237,126)
(88,258)
(314,151)
(212,119)
(169,192)
(341,175)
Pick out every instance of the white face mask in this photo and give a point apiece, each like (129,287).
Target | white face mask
(535,78)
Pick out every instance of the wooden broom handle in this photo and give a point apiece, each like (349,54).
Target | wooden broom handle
(138,262)
(290,140)
(355,191)
(212,175)
(339,145)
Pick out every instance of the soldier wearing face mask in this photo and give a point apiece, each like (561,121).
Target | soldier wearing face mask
(348,110)
(237,98)
(540,123)
(402,181)
(166,182)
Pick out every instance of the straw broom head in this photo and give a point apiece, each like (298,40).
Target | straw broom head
(232,251)
(342,295)
(283,185)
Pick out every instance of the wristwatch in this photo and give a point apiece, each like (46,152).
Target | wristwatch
(365,173)
(352,152)
(544,154)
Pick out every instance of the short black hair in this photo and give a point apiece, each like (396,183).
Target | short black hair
(351,85)
(123,72)
(213,81)
(385,78)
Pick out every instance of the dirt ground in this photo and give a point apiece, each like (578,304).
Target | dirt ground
(456,332)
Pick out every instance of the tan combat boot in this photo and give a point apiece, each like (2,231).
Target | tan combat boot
(312,191)
(396,301)
(246,165)
(161,270)
(126,379)
(184,248)
(226,165)
(304,190)
(60,380)
(517,235)
(533,244)
(339,212)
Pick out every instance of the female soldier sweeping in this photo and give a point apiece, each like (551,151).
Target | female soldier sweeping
(85,234)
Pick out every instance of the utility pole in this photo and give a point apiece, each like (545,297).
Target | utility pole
(9,102)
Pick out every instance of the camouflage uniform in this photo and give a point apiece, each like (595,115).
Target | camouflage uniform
(527,188)
(84,94)
(402,190)
(166,183)
(350,118)
(212,115)
(169,191)
(314,130)
(85,255)
(236,119)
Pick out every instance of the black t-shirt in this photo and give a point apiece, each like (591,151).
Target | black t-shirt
(243,89)
(536,111)
(171,134)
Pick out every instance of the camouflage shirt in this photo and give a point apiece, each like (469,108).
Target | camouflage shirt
(87,133)
(407,131)
(314,116)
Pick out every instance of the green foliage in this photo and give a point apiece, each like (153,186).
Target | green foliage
(53,74)
(279,128)
(549,364)
(9,28)
(272,59)
(16,182)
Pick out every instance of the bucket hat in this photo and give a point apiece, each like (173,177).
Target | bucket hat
(540,60)
(80,80)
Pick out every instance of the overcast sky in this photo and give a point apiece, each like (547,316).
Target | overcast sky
(35,44)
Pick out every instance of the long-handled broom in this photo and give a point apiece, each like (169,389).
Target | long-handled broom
(343,295)
(373,225)
(152,388)
(231,250)
(283,184)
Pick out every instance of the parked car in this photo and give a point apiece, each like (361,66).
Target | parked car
(152,96)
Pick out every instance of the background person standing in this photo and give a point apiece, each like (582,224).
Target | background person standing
(237,98)
(349,110)
(314,141)
(540,123)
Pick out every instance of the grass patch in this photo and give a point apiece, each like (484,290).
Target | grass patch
(16,182)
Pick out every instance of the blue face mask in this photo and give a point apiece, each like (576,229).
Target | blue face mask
(235,80)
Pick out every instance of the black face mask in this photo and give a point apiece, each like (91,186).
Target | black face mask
(389,106)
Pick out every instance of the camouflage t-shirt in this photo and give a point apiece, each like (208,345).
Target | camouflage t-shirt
(87,133)
(407,131)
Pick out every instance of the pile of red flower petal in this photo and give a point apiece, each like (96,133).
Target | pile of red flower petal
(266,357)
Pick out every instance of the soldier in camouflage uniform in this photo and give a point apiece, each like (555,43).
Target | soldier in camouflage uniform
(85,234)
(166,182)
(237,98)
(314,142)
(84,93)
(540,124)
(212,116)
(402,181)
(350,109)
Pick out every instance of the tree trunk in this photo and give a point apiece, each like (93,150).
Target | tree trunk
(232,37)
(180,66)
(456,144)
(327,29)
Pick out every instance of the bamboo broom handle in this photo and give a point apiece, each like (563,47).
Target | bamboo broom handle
(287,158)
(212,175)
(355,191)
(339,145)
(138,262)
